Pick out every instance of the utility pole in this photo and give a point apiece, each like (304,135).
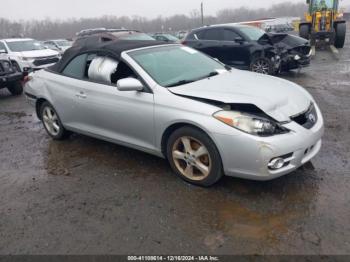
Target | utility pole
(202,13)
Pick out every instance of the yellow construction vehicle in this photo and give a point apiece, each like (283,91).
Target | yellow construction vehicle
(324,22)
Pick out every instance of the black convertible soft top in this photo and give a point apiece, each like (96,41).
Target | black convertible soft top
(110,48)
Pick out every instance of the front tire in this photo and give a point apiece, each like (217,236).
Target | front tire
(194,157)
(262,65)
(304,31)
(340,32)
(15,88)
(52,122)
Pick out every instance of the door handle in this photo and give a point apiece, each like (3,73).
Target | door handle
(81,95)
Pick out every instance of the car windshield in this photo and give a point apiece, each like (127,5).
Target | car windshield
(176,65)
(322,4)
(25,45)
(63,43)
(253,33)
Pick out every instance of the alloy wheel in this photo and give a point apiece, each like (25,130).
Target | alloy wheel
(191,158)
(261,66)
(51,121)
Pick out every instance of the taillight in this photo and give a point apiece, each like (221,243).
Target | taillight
(184,42)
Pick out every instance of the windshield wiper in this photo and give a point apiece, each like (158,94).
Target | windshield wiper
(214,73)
(181,82)
(228,68)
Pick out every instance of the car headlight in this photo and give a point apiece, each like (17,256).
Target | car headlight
(297,57)
(251,124)
(26,59)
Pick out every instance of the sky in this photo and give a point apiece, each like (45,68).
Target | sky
(63,9)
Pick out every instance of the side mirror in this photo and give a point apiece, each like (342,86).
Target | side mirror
(239,40)
(129,84)
(3,51)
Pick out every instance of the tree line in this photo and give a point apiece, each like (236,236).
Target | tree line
(48,28)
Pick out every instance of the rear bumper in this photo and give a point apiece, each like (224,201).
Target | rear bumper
(31,99)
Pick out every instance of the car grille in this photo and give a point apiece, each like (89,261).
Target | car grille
(307,119)
(45,60)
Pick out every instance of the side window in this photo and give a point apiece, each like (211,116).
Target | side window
(2,46)
(213,34)
(195,36)
(198,35)
(76,68)
(107,70)
(230,35)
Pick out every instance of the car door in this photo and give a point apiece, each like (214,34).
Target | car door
(208,41)
(121,116)
(63,89)
(235,50)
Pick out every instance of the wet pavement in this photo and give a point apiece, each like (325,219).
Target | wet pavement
(85,196)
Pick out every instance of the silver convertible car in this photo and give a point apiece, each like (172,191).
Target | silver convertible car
(206,119)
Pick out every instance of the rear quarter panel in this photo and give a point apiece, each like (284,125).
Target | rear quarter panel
(57,90)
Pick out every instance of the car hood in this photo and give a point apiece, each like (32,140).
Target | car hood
(38,53)
(278,98)
(290,42)
(288,39)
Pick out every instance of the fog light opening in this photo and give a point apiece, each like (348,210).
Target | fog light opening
(277,163)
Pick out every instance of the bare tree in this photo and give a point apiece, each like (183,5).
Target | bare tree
(48,28)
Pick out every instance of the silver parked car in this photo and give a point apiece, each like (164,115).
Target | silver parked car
(175,102)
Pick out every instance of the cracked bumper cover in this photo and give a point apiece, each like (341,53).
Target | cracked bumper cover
(251,161)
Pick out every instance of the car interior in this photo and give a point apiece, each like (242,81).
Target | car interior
(107,70)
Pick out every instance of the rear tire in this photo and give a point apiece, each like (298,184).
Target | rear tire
(15,88)
(340,32)
(52,122)
(194,157)
(304,31)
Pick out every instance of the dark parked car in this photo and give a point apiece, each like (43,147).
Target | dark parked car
(240,46)
(100,35)
(250,48)
(10,77)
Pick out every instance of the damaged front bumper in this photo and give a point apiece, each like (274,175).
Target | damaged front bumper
(253,160)
(10,78)
(295,61)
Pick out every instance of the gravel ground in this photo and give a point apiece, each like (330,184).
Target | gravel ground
(85,196)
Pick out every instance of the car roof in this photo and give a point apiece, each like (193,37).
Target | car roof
(90,32)
(112,48)
(232,25)
(54,40)
(9,40)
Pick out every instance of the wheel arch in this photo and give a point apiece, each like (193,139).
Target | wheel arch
(305,23)
(336,22)
(175,126)
(38,104)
